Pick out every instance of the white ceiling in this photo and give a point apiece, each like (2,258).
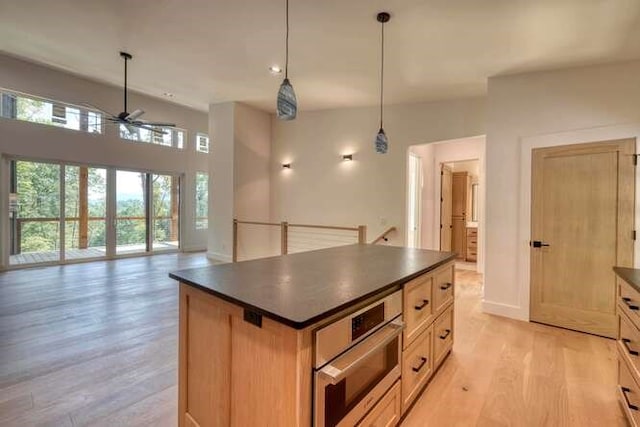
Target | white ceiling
(219,50)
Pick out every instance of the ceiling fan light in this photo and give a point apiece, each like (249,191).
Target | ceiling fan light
(382,143)
(287,107)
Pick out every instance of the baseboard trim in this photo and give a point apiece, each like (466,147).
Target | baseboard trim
(217,256)
(504,310)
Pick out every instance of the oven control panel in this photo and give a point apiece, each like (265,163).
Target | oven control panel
(363,323)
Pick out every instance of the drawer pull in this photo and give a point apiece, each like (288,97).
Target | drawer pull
(625,342)
(423,361)
(627,301)
(445,286)
(444,336)
(626,390)
(425,302)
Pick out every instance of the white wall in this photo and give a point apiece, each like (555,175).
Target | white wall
(30,140)
(252,182)
(370,190)
(569,106)
(240,181)
(433,155)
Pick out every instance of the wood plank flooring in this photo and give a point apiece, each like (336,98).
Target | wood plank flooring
(505,372)
(95,344)
(91,344)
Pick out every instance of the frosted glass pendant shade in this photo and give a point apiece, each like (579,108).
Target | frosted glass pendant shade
(287,104)
(382,143)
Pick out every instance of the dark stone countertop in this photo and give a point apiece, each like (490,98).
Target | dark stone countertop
(301,289)
(629,275)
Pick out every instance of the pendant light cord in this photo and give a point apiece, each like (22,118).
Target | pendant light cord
(286,55)
(381,75)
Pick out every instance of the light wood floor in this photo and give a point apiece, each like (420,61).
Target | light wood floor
(96,344)
(505,372)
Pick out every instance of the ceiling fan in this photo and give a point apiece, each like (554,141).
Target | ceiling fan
(132,120)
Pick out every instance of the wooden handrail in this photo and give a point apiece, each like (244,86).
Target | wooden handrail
(383,236)
(361,231)
(237,221)
(324,227)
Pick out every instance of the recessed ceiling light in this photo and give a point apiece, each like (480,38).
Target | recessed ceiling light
(168,94)
(274,69)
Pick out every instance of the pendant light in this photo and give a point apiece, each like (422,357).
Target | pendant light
(382,143)
(287,105)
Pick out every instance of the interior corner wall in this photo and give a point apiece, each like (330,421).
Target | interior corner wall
(252,182)
(320,188)
(42,142)
(221,181)
(239,183)
(576,105)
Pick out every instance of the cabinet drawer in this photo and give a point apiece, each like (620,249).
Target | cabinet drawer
(417,367)
(629,342)
(418,307)
(442,288)
(387,412)
(629,300)
(442,336)
(628,393)
(472,242)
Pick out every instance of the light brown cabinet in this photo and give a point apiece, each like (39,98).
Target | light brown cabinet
(472,244)
(428,337)
(628,345)
(229,368)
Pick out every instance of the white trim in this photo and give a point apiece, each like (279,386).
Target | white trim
(217,256)
(527,144)
(505,310)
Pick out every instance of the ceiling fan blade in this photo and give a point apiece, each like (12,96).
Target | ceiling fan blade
(132,116)
(130,128)
(159,124)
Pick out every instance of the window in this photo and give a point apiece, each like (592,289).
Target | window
(172,137)
(202,143)
(18,106)
(202,200)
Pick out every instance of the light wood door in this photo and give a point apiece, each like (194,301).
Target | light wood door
(459,201)
(582,208)
(445,208)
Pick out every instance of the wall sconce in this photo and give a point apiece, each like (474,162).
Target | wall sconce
(286,166)
(347,157)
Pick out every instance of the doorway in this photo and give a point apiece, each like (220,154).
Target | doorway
(582,210)
(60,213)
(436,220)
(459,211)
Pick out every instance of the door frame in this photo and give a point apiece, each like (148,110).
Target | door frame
(582,136)
(415,197)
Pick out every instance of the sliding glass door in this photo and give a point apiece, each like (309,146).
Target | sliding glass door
(62,212)
(131,212)
(34,218)
(85,212)
(166,230)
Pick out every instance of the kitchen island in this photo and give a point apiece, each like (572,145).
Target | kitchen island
(248,333)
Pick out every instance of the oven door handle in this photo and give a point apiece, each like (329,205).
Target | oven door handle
(390,332)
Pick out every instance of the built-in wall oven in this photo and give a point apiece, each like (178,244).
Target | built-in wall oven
(357,359)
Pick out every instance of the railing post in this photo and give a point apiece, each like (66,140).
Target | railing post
(284,237)
(234,256)
(18,236)
(362,234)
